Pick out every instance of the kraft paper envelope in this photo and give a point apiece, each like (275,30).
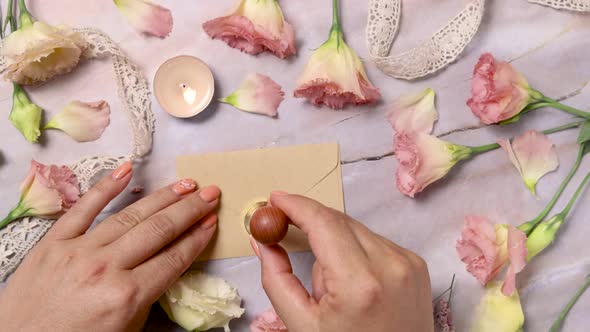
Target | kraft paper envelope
(247,177)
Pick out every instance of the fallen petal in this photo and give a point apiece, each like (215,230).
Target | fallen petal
(533,154)
(147,17)
(257,94)
(84,122)
(414,112)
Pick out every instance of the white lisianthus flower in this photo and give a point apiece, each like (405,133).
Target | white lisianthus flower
(199,302)
(37,52)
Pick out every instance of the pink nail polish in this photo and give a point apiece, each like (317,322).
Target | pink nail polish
(209,222)
(210,193)
(184,187)
(279,193)
(255,246)
(122,171)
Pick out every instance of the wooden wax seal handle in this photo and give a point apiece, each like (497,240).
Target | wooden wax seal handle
(269,225)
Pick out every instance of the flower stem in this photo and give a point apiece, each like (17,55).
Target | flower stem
(559,322)
(565,108)
(336,30)
(25,18)
(490,147)
(16,213)
(9,17)
(572,201)
(530,225)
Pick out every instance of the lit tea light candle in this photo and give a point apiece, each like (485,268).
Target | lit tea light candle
(184,86)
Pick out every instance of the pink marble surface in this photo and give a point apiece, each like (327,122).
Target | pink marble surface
(550,47)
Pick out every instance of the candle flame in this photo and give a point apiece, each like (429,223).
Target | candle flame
(189,94)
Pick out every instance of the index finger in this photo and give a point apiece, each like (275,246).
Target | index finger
(330,236)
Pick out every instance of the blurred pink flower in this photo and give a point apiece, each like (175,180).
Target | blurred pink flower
(147,17)
(257,94)
(84,122)
(414,113)
(485,248)
(498,91)
(268,321)
(253,27)
(46,192)
(443,318)
(533,154)
(424,159)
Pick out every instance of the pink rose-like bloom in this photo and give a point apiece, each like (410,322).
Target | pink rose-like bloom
(84,122)
(414,113)
(486,248)
(48,191)
(335,76)
(268,321)
(255,26)
(257,94)
(147,17)
(533,154)
(424,159)
(498,91)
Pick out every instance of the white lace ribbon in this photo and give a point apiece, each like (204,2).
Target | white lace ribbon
(17,239)
(442,48)
(574,5)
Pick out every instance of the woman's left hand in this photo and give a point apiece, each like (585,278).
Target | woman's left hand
(107,279)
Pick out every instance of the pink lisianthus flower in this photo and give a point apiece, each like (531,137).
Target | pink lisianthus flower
(486,248)
(268,321)
(498,91)
(257,94)
(424,159)
(335,76)
(84,122)
(255,26)
(414,113)
(46,192)
(147,17)
(533,154)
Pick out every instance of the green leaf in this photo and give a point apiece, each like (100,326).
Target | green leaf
(584,135)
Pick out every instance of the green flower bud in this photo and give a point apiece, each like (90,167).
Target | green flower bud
(543,235)
(25,115)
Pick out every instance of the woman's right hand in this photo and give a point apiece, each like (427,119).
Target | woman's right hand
(361,281)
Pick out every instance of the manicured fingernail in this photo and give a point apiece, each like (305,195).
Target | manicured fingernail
(209,194)
(279,193)
(255,246)
(184,187)
(122,171)
(209,222)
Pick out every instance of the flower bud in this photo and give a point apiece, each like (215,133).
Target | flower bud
(543,235)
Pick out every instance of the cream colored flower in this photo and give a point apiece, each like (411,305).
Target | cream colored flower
(499,313)
(37,52)
(199,302)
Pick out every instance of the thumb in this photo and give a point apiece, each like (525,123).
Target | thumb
(286,292)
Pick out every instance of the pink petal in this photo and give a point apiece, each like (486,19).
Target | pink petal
(517,253)
(241,33)
(414,113)
(147,17)
(321,92)
(257,94)
(84,122)
(268,321)
(533,154)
